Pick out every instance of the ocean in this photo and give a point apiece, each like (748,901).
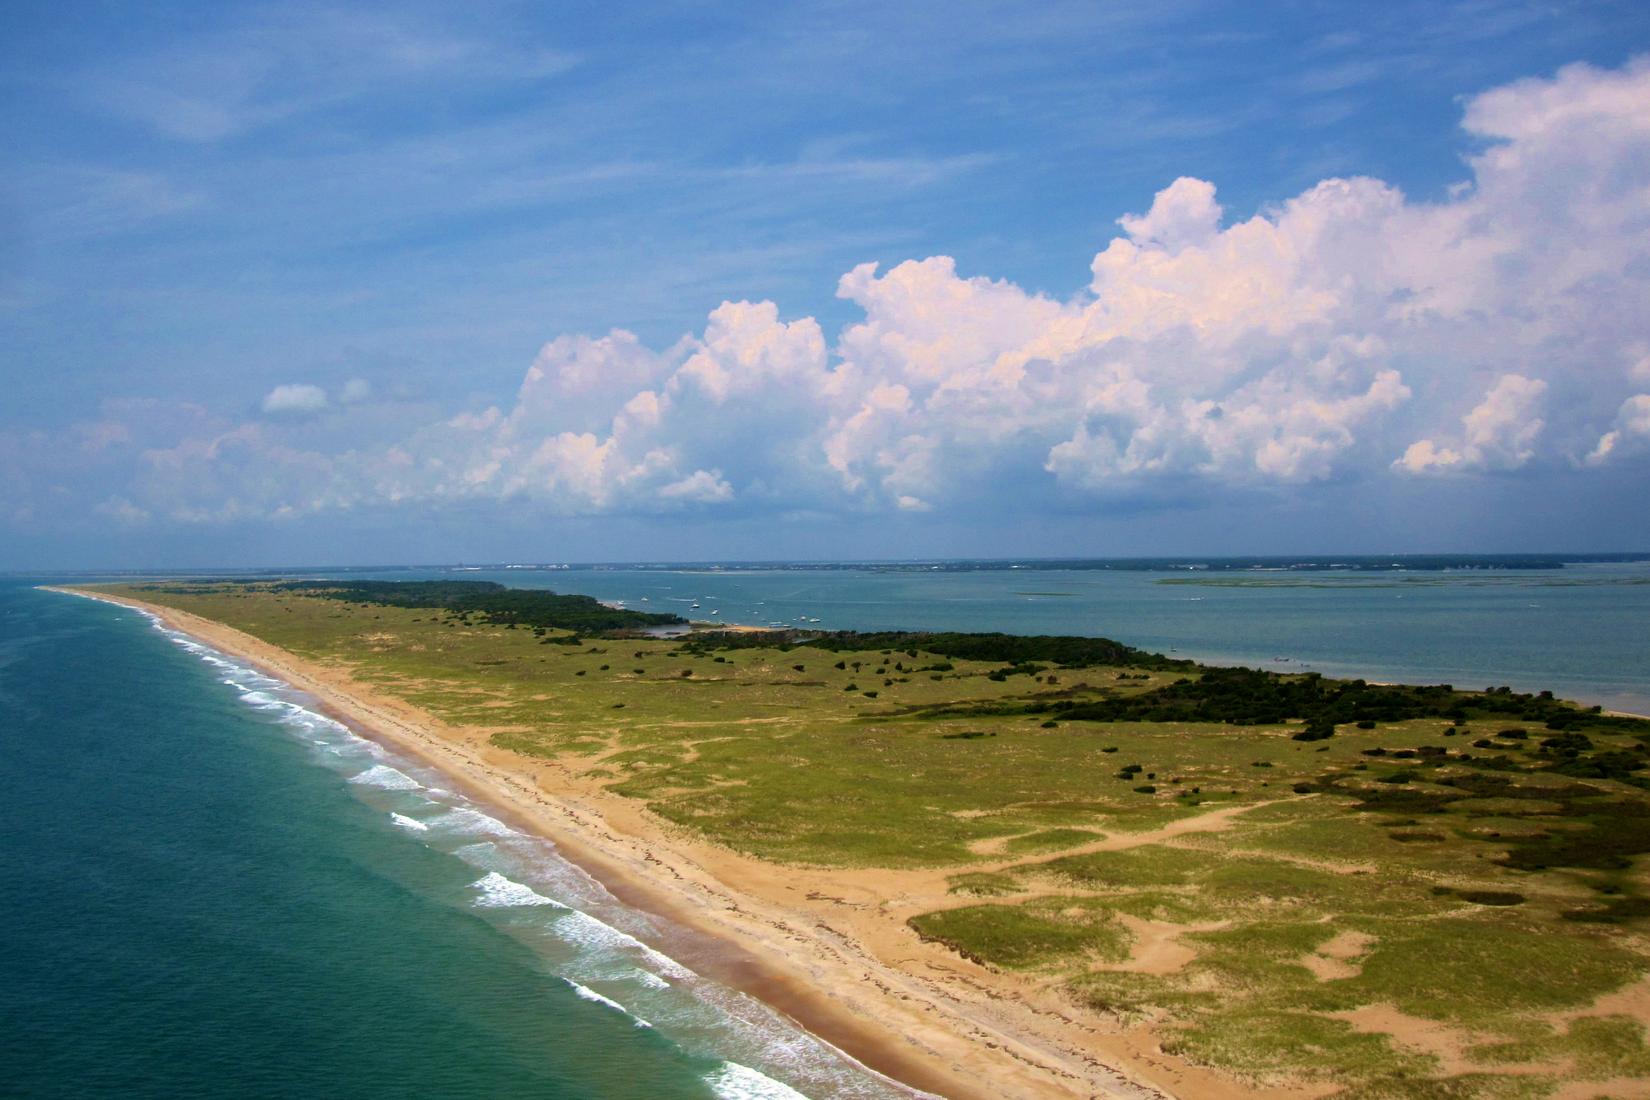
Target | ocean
(207,887)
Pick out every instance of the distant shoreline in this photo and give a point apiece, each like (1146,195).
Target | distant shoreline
(1340,563)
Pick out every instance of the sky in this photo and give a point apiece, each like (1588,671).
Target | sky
(345,284)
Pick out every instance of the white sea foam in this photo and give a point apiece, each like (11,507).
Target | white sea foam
(412,823)
(311,723)
(649,979)
(387,778)
(498,892)
(670,966)
(586,931)
(461,819)
(732,1081)
(589,994)
(308,719)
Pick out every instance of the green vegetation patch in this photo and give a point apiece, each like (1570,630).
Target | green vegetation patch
(1477,970)
(1597,1046)
(529,607)
(983,884)
(1048,840)
(1029,935)
(1265,1045)
(1151,865)
(1011,649)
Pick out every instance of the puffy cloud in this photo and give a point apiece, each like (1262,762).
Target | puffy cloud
(295,400)
(1498,434)
(746,349)
(700,487)
(1184,214)
(1306,344)
(577,382)
(1630,435)
(243,472)
(927,327)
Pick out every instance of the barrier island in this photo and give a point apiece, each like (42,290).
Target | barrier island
(1045,865)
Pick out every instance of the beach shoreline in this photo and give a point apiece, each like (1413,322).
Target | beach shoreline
(913,1013)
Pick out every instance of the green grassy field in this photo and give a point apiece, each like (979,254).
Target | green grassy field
(1437,869)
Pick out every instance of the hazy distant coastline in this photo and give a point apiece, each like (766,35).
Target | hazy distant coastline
(1367,563)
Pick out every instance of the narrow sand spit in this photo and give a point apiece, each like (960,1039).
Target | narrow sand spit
(828,947)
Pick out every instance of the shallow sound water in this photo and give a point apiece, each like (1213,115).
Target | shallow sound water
(1582,631)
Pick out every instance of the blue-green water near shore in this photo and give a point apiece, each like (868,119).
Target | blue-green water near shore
(208,888)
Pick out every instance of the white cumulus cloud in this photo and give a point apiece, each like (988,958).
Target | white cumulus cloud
(1498,434)
(699,487)
(1630,435)
(295,400)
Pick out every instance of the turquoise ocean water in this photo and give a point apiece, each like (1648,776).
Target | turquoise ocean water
(209,888)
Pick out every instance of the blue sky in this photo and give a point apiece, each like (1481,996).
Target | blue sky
(313,283)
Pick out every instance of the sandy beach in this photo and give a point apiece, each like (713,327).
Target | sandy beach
(828,947)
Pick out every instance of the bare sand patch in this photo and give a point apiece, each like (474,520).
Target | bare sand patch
(1157,947)
(1632,1000)
(1615,1088)
(1334,960)
(1448,1044)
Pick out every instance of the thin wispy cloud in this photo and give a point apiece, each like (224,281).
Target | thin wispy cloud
(290,61)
